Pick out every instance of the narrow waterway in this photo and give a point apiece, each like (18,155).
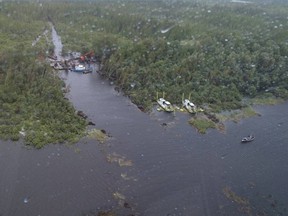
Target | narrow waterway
(165,170)
(177,171)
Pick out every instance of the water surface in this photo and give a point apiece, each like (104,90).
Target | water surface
(175,170)
(170,169)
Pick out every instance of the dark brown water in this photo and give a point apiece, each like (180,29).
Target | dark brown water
(172,169)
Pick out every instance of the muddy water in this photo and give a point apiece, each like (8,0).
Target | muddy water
(146,168)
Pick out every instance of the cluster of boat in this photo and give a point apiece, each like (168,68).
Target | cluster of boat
(186,103)
(191,108)
(74,63)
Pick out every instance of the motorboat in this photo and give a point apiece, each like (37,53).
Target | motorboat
(79,68)
(165,105)
(189,106)
(248,139)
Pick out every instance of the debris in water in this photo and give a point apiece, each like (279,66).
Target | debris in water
(118,196)
(26,200)
(224,155)
(121,160)
(126,205)
(109,213)
(244,205)
(126,177)
(234,197)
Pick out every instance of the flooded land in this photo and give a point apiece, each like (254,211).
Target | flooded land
(135,163)
(150,164)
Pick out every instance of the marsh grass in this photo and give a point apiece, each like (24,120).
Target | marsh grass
(237,115)
(97,134)
(202,123)
(266,100)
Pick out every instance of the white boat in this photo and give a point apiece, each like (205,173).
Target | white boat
(165,105)
(189,106)
(247,139)
(79,68)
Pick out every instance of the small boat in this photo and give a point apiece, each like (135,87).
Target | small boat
(165,105)
(248,139)
(79,68)
(189,106)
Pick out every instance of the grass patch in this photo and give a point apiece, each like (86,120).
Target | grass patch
(202,124)
(266,100)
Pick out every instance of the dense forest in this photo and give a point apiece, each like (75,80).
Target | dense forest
(32,104)
(218,53)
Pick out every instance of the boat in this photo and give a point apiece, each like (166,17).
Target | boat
(189,106)
(165,105)
(248,139)
(79,68)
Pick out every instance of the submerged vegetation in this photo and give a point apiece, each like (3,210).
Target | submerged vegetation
(217,53)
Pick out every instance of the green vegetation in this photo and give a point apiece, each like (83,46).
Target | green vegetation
(237,115)
(217,53)
(32,103)
(202,124)
(98,135)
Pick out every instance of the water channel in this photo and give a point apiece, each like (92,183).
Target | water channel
(169,168)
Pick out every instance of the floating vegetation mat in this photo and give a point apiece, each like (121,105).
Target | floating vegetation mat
(118,196)
(109,213)
(120,160)
(243,203)
(97,134)
(261,204)
(126,177)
